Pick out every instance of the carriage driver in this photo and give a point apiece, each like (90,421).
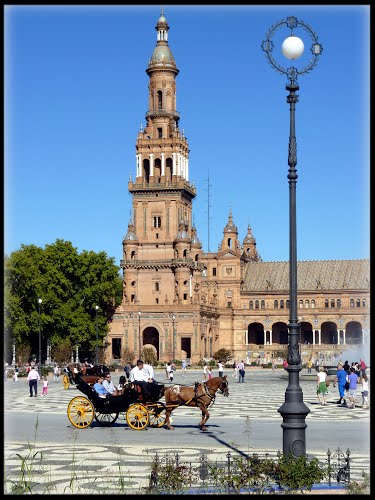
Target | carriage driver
(140,377)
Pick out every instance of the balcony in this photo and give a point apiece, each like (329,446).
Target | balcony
(162,112)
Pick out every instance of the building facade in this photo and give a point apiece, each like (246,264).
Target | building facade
(187,304)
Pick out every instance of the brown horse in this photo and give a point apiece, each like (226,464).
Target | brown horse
(201,396)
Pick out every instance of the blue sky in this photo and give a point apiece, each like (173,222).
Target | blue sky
(75,93)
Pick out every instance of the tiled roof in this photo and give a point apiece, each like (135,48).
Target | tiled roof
(311,275)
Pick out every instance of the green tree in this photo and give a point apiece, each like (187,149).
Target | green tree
(70,284)
(223,355)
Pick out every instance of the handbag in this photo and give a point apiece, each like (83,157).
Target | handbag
(347,384)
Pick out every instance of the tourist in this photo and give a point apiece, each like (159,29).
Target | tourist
(121,383)
(127,370)
(352,393)
(346,367)
(321,387)
(5,374)
(362,366)
(166,369)
(209,373)
(32,379)
(364,380)
(204,371)
(109,388)
(221,369)
(15,375)
(183,367)
(241,371)
(149,370)
(98,386)
(56,373)
(45,386)
(234,366)
(341,381)
(273,365)
(309,365)
(285,364)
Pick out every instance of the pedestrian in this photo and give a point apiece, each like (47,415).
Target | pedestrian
(321,387)
(309,365)
(209,373)
(273,364)
(234,366)
(32,379)
(56,373)
(364,380)
(5,374)
(204,371)
(183,367)
(15,375)
(170,371)
(166,370)
(221,369)
(346,367)
(362,366)
(341,381)
(352,393)
(45,386)
(241,371)
(285,364)
(149,370)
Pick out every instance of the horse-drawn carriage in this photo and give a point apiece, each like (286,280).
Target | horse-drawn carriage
(132,405)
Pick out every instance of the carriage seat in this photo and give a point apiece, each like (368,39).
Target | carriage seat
(87,390)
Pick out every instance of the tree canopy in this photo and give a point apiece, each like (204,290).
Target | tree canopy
(70,285)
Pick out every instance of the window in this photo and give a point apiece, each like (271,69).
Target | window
(157,300)
(363,302)
(288,304)
(157,221)
(301,304)
(229,242)
(358,303)
(332,302)
(184,254)
(313,304)
(351,302)
(307,304)
(156,286)
(132,255)
(185,282)
(133,283)
(229,304)
(281,304)
(257,304)
(157,236)
(262,304)
(196,258)
(185,296)
(132,297)
(160,133)
(339,303)
(326,303)
(275,304)
(160,99)
(251,304)
(214,271)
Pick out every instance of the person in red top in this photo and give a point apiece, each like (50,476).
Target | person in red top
(285,363)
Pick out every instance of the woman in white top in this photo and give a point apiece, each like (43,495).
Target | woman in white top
(321,387)
(364,380)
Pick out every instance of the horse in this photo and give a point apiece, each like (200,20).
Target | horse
(88,374)
(201,396)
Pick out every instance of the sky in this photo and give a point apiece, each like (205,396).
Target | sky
(76,94)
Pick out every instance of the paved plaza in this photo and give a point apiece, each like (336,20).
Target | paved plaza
(96,458)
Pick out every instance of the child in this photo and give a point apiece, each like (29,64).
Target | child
(170,371)
(45,386)
(209,373)
(121,382)
(364,391)
(15,376)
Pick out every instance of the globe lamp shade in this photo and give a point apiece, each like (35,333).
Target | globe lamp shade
(292,47)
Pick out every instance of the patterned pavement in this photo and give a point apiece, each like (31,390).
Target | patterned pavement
(113,467)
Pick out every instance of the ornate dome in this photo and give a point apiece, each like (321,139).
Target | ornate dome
(130,235)
(194,238)
(249,238)
(230,227)
(162,56)
(182,231)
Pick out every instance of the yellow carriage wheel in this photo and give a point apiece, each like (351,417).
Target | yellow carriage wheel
(66,381)
(137,416)
(80,412)
(156,414)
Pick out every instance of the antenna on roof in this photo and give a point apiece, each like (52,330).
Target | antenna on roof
(162,10)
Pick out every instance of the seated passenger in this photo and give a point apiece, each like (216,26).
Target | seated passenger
(98,386)
(108,385)
(141,378)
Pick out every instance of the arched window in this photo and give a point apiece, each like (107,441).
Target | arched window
(262,304)
(196,257)
(358,303)
(281,304)
(288,304)
(363,302)
(132,255)
(301,304)
(251,304)
(184,254)
(157,286)
(160,99)
(338,303)
(229,242)
(326,303)
(275,304)
(332,302)
(351,302)
(307,304)
(257,304)
(313,304)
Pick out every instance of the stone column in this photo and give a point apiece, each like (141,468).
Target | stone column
(270,337)
(178,164)
(187,169)
(162,164)
(320,337)
(173,163)
(151,164)
(265,337)
(343,336)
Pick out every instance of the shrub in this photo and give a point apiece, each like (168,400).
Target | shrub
(149,356)
(223,355)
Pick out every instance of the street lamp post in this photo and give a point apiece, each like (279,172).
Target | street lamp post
(139,335)
(173,337)
(293,410)
(97,338)
(40,340)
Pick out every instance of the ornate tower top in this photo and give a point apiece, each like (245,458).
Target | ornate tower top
(162,58)
(249,246)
